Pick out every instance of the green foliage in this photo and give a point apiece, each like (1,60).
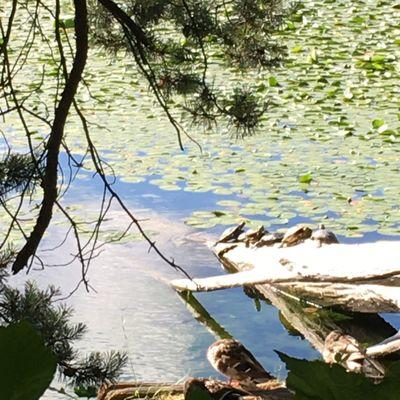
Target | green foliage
(316,380)
(244,110)
(89,391)
(17,171)
(197,392)
(95,369)
(306,178)
(67,23)
(183,38)
(53,323)
(7,255)
(377,123)
(27,366)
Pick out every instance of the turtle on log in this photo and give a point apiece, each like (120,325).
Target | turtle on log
(269,239)
(231,233)
(323,236)
(252,235)
(296,235)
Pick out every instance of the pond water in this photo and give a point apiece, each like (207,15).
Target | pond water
(132,307)
(333,123)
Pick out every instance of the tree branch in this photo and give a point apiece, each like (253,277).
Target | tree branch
(53,145)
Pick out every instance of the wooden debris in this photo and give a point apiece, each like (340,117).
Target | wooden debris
(138,390)
(362,277)
(215,389)
(387,346)
(218,390)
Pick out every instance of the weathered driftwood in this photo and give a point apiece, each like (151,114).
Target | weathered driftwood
(316,324)
(128,391)
(135,390)
(362,277)
(387,346)
(217,390)
(313,325)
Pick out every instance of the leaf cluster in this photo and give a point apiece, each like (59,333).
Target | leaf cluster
(53,323)
(22,377)
(183,38)
(316,380)
(18,172)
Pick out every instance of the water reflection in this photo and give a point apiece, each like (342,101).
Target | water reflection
(134,309)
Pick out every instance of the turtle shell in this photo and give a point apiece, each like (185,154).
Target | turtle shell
(252,235)
(270,239)
(231,233)
(296,234)
(323,236)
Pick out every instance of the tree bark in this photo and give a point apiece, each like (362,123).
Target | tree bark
(50,177)
(125,20)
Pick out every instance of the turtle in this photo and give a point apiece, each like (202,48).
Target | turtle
(252,235)
(231,233)
(296,235)
(323,236)
(270,239)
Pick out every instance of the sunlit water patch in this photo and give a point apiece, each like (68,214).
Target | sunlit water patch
(134,309)
(328,151)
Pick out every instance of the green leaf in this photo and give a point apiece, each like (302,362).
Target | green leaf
(27,366)
(290,26)
(297,49)
(197,392)
(316,380)
(306,178)
(272,81)
(218,213)
(81,391)
(377,123)
(67,23)
(377,58)
(257,304)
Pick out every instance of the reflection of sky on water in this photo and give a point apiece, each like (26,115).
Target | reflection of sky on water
(135,310)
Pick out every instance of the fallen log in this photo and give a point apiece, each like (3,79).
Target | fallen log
(216,390)
(138,390)
(362,278)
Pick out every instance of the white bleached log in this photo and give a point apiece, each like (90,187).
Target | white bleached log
(359,277)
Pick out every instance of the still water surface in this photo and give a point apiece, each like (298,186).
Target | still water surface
(133,309)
